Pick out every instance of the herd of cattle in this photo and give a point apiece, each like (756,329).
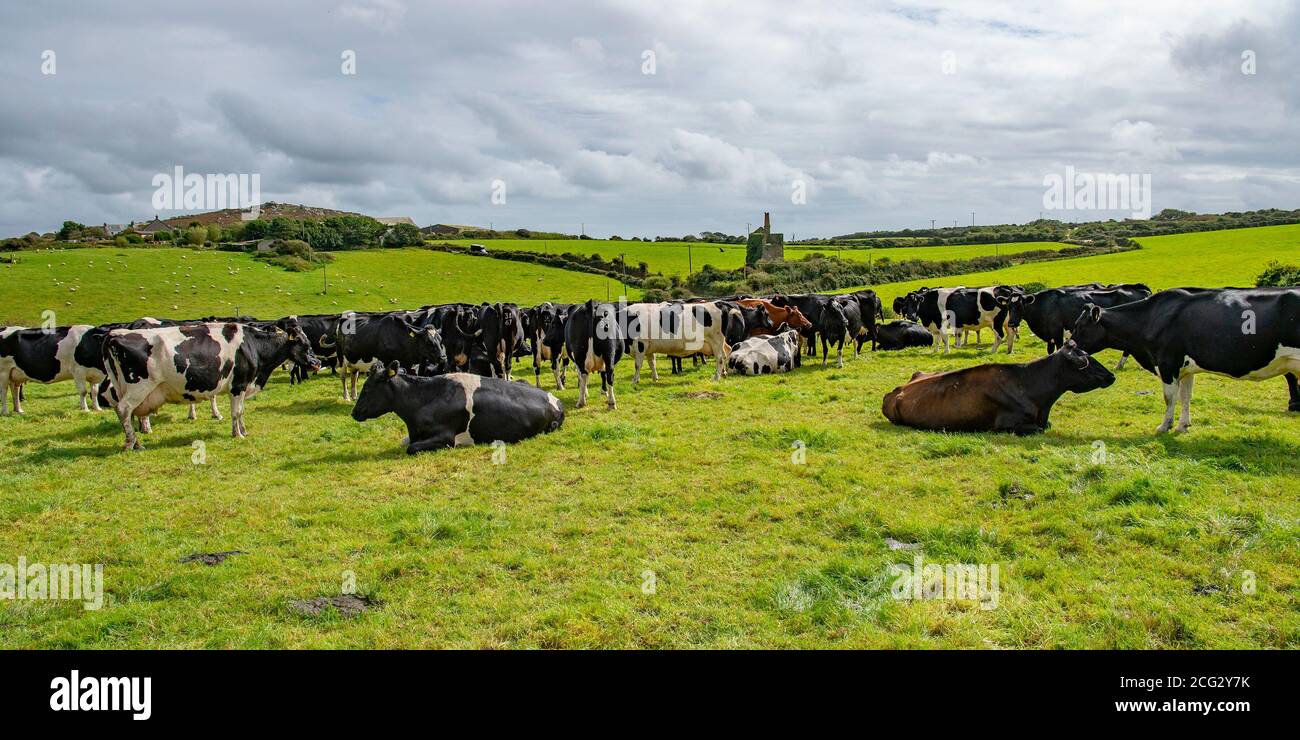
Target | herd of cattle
(447,370)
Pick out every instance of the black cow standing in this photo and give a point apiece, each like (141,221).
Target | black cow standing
(364,340)
(871,309)
(811,305)
(548,341)
(503,334)
(1050,313)
(593,338)
(459,328)
(457,409)
(1244,333)
(320,329)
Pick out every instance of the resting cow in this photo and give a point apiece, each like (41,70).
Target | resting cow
(995,398)
(778,353)
(457,409)
(1250,333)
(901,335)
(181,364)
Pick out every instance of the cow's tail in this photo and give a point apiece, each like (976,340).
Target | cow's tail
(112,364)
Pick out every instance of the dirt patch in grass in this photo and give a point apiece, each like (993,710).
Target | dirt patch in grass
(211,558)
(712,395)
(348,605)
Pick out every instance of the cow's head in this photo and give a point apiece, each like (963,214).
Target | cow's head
(299,345)
(377,395)
(1088,333)
(834,319)
(428,345)
(1015,305)
(795,318)
(1082,373)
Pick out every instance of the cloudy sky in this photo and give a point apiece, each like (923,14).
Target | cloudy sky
(640,118)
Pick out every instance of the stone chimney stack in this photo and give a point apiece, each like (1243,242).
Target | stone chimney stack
(767,226)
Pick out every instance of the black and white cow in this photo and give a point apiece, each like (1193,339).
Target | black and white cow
(548,341)
(1250,333)
(841,321)
(90,352)
(45,356)
(593,337)
(320,329)
(182,364)
(678,330)
(503,334)
(872,310)
(457,409)
(945,311)
(459,329)
(902,334)
(759,355)
(364,340)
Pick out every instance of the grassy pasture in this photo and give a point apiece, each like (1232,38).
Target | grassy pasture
(1206,259)
(679,520)
(672,258)
(107,284)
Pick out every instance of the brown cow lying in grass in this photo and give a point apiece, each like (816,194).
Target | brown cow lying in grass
(997,397)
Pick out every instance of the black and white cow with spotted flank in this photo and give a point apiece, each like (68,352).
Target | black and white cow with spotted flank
(182,364)
(760,355)
(678,330)
(44,355)
(457,409)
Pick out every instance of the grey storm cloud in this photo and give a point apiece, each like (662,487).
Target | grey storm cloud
(647,119)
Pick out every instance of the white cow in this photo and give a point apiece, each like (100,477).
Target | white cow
(676,330)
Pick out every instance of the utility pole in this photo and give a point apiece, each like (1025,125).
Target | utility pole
(972,218)
(622,273)
(326,270)
(931,224)
(690,263)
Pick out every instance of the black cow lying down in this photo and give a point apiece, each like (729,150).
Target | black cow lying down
(457,409)
(997,397)
(901,335)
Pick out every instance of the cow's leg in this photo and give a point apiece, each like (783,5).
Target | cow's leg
(1293,385)
(1171,398)
(1122,359)
(555,370)
(440,442)
(344,377)
(236,401)
(1185,400)
(608,376)
(18,397)
(582,388)
(637,359)
(124,416)
(4,392)
(654,368)
(79,377)
(839,352)
(193,414)
(216,413)
(355,373)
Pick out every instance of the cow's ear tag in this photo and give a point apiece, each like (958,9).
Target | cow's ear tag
(412,333)
(392,372)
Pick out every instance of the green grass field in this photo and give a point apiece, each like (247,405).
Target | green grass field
(1207,259)
(683,519)
(677,258)
(101,285)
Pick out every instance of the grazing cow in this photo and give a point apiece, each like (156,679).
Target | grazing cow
(548,342)
(1251,333)
(174,364)
(364,340)
(1000,397)
(777,315)
(503,334)
(592,337)
(758,355)
(457,409)
(901,335)
(45,356)
(1050,313)
(678,330)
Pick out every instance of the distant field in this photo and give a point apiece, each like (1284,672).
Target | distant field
(123,284)
(677,258)
(1207,259)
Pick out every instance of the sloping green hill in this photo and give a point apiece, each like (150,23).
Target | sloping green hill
(110,284)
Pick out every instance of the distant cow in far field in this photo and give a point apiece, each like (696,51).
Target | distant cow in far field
(995,398)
